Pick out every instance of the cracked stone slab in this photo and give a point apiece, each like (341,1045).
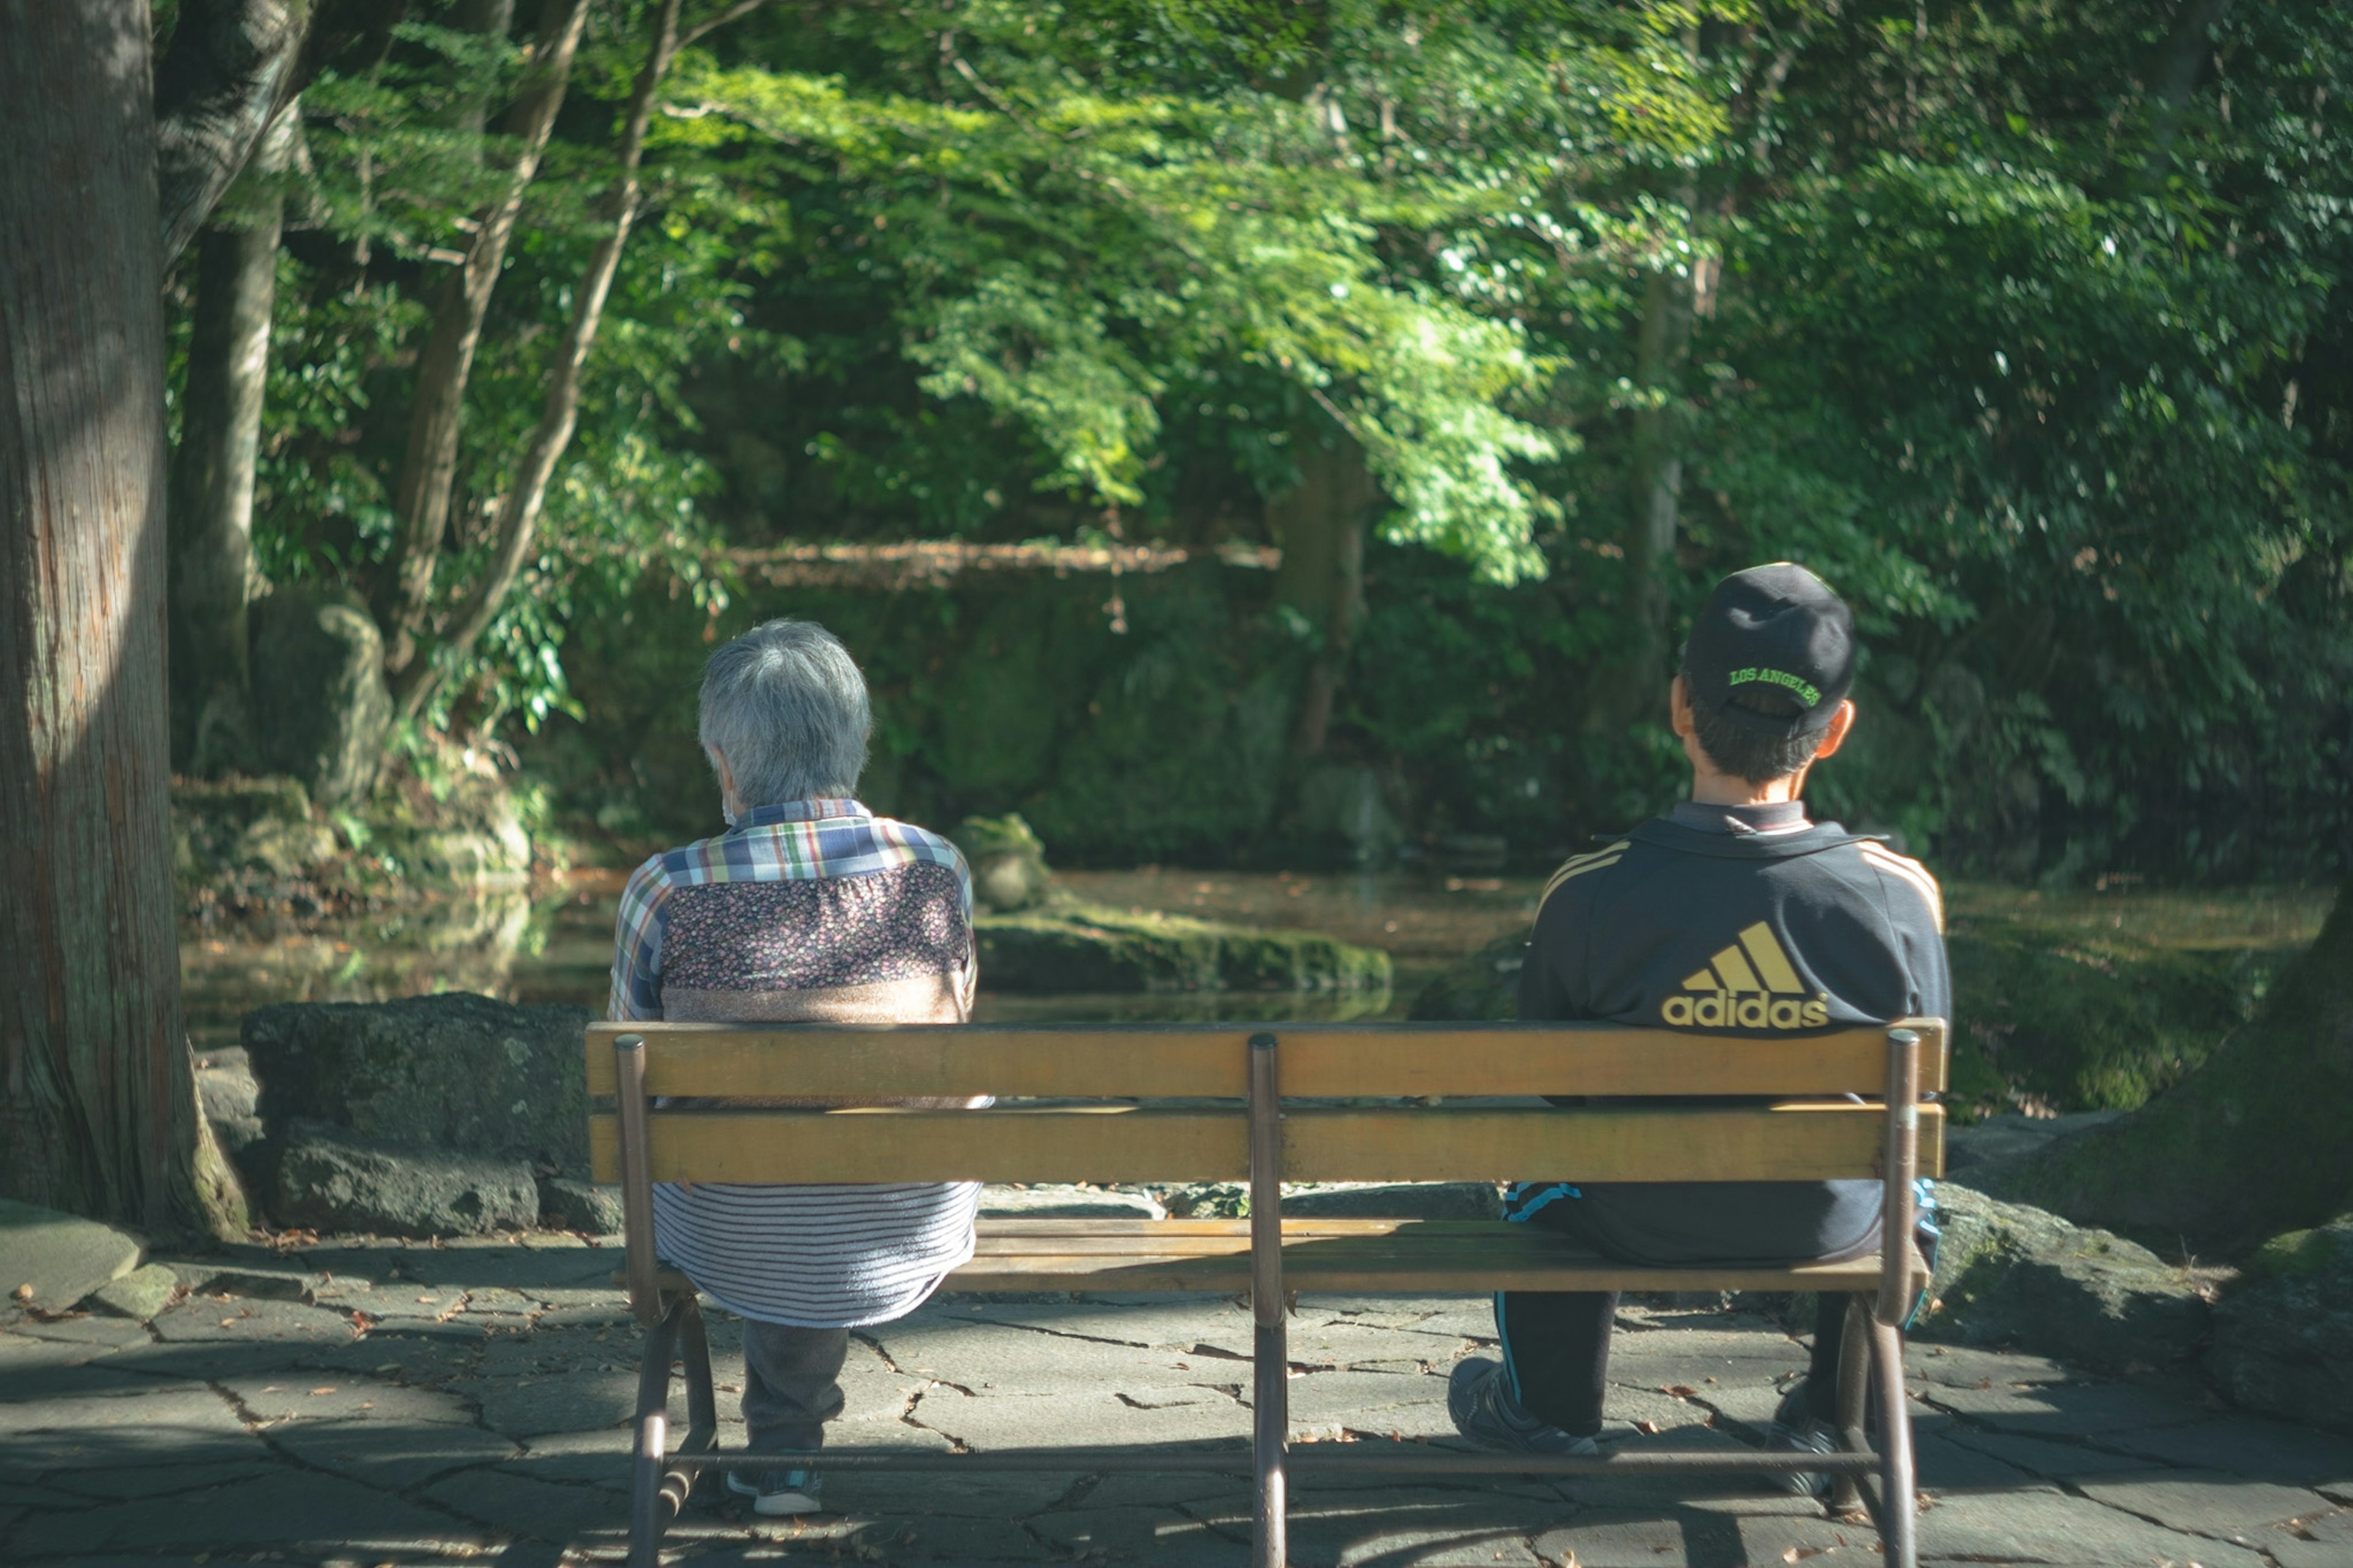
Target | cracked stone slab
(98,1333)
(1142,1535)
(546,1510)
(1340,1415)
(901,1537)
(123,1427)
(2250,1445)
(526,1407)
(1077,1420)
(2064,1410)
(2044,1525)
(1962,1366)
(279,1398)
(392,1456)
(2326,1541)
(127,1483)
(1418,1524)
(1024,1361)
(2040,1456)
(312,1515)
(50,1259)
(2205,1502)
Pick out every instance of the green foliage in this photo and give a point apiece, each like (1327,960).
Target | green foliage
(2044,362)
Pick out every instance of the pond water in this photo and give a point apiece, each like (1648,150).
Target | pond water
(554,945)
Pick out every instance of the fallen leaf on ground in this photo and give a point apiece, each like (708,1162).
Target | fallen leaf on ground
(1647,1428)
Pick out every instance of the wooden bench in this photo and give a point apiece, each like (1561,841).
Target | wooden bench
(1293,1103)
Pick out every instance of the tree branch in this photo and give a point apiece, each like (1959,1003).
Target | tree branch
(519,509)
(231,65)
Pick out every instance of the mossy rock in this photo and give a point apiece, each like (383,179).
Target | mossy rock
(2283,1329)
(1080,948)
(2010,1274)
(1480,988)
(2079,1025)
(1008,863)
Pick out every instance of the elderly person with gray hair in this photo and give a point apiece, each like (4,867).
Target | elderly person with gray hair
(808,908)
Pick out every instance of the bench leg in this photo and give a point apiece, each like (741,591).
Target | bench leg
(648,1508)
(1269,1346)
(1854,1392)
(1270,1431)
(701,1404)
(1899,1511)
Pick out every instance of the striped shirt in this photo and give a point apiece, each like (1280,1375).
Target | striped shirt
(812,911)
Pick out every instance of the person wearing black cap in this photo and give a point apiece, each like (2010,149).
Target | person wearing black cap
(1733,914)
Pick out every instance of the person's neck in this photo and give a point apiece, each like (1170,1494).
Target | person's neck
(1711,788)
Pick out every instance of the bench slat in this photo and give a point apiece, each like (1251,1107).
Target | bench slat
(1373,1257)
(1120,1144)
(1187,1060)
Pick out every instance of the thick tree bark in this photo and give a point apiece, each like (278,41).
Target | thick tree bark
(232,65)
(428,467)
(1320,525)
(518,518)
(212,481)
(97,1104)
(2250,1145)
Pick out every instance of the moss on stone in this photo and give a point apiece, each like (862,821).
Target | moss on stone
(1077,947)
(2085,1025)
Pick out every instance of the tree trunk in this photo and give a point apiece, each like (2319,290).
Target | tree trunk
(232,63)
(99,1114)
(212,481)
(1319,523)
(428,467)
(2250,1145)
(1636,690)
(519,509)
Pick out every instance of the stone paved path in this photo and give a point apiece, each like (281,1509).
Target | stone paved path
(468,1404)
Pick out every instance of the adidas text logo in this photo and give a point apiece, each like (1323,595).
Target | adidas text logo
(1750,984)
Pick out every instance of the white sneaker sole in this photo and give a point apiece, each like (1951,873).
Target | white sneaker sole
(776,1505)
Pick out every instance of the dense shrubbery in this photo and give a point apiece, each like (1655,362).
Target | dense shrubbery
(2024,323)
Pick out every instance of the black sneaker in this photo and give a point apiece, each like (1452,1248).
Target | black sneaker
(778,1491)
(1486,1412)
(1796,1431)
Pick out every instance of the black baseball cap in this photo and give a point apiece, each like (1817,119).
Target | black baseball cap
(1773,625)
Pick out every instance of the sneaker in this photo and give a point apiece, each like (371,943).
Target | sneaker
(778,1491)
(1486,1412)
(1796,1431)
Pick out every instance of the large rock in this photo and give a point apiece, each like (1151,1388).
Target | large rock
(2009,1274)
(49,1259)
(318,692)
(1983,1153)
(454,1071)
(140,1294)
(2283,1329)
(1483,986)
(1008,863)
(575,1202)
(1091,948)
(331,1180)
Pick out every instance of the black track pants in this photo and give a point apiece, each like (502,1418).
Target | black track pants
(1557,1354)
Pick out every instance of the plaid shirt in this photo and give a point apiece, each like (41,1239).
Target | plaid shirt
(800,840)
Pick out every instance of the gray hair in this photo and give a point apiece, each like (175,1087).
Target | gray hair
(787,706)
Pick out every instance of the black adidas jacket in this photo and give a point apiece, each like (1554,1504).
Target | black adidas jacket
(1718,929)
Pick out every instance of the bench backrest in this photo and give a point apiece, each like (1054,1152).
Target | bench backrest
(1812,1133)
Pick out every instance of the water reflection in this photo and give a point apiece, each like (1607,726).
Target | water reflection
(556,946)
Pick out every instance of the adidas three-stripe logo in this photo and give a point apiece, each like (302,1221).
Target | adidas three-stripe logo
(1750,984)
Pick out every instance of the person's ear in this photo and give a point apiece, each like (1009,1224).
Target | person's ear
(1679,708)
(1834,734)
(726,774)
